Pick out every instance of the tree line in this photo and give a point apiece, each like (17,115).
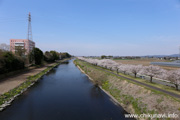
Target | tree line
(172,76)
(12,62)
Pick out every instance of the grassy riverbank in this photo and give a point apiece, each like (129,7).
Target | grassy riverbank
(8,97)
(132,97)
(153,84)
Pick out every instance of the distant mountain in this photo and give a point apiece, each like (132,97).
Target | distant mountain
(173,55)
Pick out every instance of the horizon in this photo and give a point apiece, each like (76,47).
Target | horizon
(95,28)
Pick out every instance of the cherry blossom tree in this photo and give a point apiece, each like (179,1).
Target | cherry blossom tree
(124,68)
(152,71)
(135,69)
(116,67)
(174,77)
(163,75)
(106,63)
(111,64)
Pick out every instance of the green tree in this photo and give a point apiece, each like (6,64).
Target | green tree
(48,57)
(55,55)
(64,55)
(36,55)
(103,57)
(9,62)
(31,57)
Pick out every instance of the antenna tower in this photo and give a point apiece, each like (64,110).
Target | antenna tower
(29,35)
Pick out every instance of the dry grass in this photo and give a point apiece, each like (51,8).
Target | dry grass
(134,98)
(146,62)
(147,99)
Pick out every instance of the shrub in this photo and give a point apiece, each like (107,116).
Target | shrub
(9,62)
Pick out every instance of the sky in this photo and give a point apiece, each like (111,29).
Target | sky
(95,27)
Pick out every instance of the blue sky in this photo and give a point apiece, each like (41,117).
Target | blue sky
(95,27)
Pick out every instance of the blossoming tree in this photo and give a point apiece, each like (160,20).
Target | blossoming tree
(174,77)
(135,69)
(152,71)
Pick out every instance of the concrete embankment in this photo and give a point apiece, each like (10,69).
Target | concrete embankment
(134,98)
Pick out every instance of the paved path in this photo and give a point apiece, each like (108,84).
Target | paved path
(152,87)
(11,82)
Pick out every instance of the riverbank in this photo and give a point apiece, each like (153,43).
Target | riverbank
(114,99)
(132,97)
(23,84)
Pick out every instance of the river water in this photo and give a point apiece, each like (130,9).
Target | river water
(63,94)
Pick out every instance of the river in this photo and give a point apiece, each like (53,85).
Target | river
(63,94)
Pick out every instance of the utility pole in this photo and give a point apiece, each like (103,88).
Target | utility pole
(29,35)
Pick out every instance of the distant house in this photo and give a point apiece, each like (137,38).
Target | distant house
(24,44)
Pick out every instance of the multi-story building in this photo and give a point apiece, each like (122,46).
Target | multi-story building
(25,44)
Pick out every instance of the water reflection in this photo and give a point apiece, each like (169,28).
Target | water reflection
(53,71)
(96,92)
(65,62)
(30,109)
